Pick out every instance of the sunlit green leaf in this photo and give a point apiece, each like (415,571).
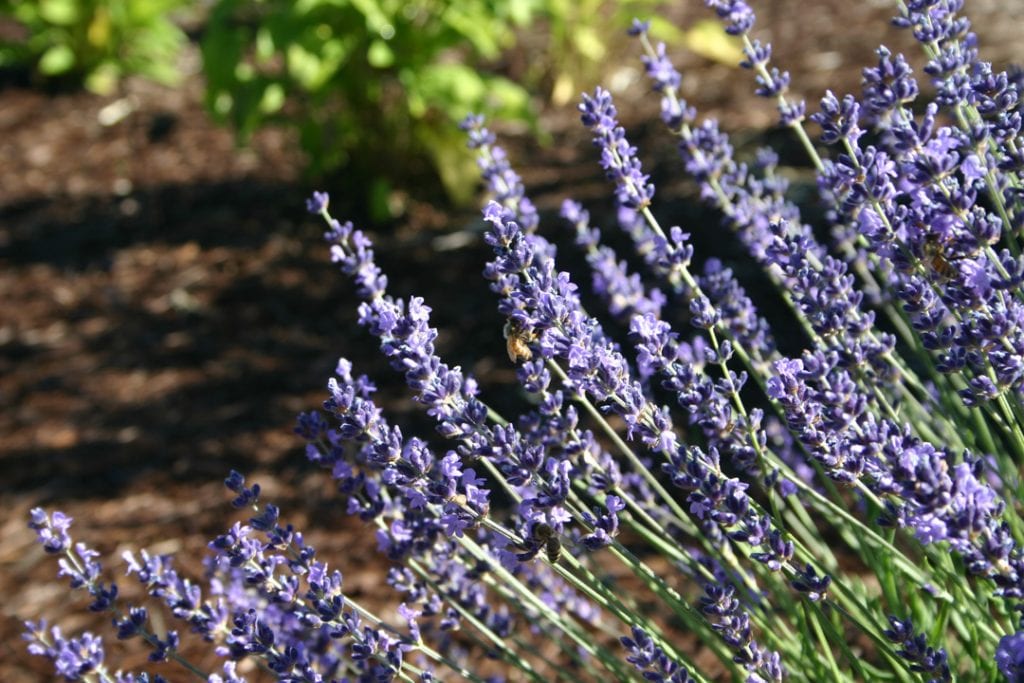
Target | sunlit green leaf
(273,98)
(57,60)
(588,43)
(60,12)
(380,55)
(708,39)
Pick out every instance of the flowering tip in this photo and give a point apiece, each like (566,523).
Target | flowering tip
(318,202)
(638,28)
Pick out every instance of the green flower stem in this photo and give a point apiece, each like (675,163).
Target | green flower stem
(638,509)
(512,598)
(806,556)
(584,581)
(494,641)
(898,318)
(570,628)
(639,568)
(815,619)
(728,556)
(368,615)
(668,595)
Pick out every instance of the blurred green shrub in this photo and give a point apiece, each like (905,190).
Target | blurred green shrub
(374,86)
(96,42)
(578,51)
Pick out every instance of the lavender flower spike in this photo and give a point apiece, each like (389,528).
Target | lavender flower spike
(618,158)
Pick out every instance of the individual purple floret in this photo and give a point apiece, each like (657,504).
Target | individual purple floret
(51,530)
(735,14)
(887,87)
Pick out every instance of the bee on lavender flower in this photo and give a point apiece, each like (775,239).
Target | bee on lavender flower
(552,545)
(553,549)
(933,253)
(517,342)
(542,536)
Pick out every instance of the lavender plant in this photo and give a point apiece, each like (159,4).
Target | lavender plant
(850,513)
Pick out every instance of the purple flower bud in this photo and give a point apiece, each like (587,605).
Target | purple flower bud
(317,203)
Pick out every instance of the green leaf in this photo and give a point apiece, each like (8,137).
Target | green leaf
(100,30)
(303,65)
(376,19)
(58,59)
(507,98)
(487,37)
(588,43)
(273,98)
(380,55)
(709,39)
(521,12)
(59,12)
(103,79)
(446,84)
(264,44)
(454,165)
(666,31)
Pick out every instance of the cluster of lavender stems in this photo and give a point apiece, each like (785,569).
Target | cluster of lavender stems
(850,513)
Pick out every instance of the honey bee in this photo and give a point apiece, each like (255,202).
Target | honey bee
(553,549)
(541,532)
(516,342)
(936,257)
(542,536)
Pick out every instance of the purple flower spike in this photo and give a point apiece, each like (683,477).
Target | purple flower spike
(618,157)
(915,649)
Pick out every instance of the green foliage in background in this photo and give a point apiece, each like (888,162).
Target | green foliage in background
(582,35)
(96,42)
(372,85)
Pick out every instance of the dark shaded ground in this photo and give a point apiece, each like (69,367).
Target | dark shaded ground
(166,307)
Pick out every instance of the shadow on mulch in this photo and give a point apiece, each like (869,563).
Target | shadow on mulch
(153,342)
